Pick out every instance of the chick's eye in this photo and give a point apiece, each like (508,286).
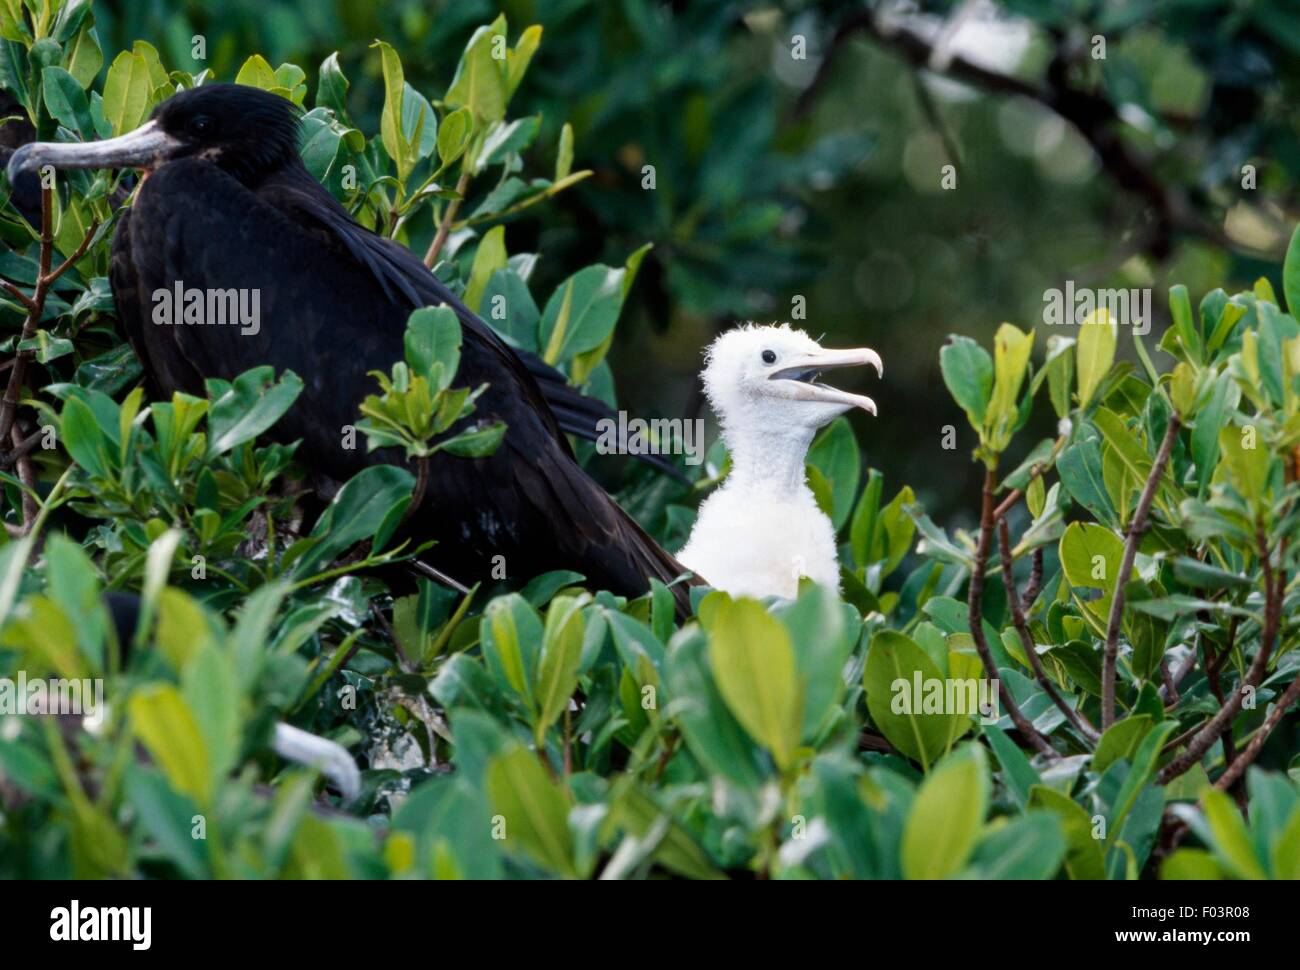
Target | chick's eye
(769,357)
(201,125)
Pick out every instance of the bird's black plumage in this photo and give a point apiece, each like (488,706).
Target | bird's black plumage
(227,203)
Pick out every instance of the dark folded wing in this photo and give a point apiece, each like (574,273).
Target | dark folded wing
(402,275)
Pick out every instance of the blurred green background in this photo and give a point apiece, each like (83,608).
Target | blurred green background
(778,176)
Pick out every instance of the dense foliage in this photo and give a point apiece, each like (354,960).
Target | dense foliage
(1129,586)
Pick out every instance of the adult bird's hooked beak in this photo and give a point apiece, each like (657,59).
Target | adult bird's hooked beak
(146,147)
(797,376)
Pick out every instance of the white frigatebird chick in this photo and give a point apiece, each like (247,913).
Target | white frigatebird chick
(225,202)
(762,530)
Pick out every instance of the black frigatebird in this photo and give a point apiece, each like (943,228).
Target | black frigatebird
(226,202)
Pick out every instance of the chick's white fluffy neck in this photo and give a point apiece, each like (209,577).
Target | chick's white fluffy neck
(761,531)
(767,459)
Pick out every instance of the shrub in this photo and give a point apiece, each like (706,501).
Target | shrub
(1135,621)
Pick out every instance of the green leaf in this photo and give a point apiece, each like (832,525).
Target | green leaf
(476,443)
(1246,469)
(433,339)
(163,723)
(677,851)
(128,90)
(1144,762)
(480,82)
(1011,349)
(1291,275)
(1018,774)
(968,371)
(419,125)
(835,454)
(894,663)
(534,810)
(564,154)
(1090,555)
(1231,840)
(518,58)
(1095,353)
(1059,368)
(1030,847)
(209,688)
(247,407)
(391,133)
(1286,849)
(561,651)
(582,312)
(83,439)
(712,733)
(1120,741)
(507,138)
(488,259)
(332,88)
(1083,859)
(946,816)
(753,663)
(83,57)
(165,817)
(511,635)
(1210,421)
(355,514)
(823,632)
(1082,475)
(454,135)
(1136,459)
(66,101)
(1180,308)
(1196,864)
(257,73)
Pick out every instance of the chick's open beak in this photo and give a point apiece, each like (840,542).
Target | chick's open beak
(796,376)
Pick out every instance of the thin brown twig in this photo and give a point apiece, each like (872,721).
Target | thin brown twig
(27,476)
(1251,751)
(1167,680)
(1213,667)
(17,294)
(1035,584)
(45,280)
(448,217)
(22,447)
(1216,725)
(1137,528)
(975,609)
(72,260)
(1176,678)
(1076,718)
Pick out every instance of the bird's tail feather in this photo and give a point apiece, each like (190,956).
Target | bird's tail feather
(652,561)
(581,414)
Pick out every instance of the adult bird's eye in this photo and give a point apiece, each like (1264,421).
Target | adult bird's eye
(201,125)
(769,357)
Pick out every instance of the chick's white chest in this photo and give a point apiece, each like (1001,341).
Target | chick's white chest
(756,541)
